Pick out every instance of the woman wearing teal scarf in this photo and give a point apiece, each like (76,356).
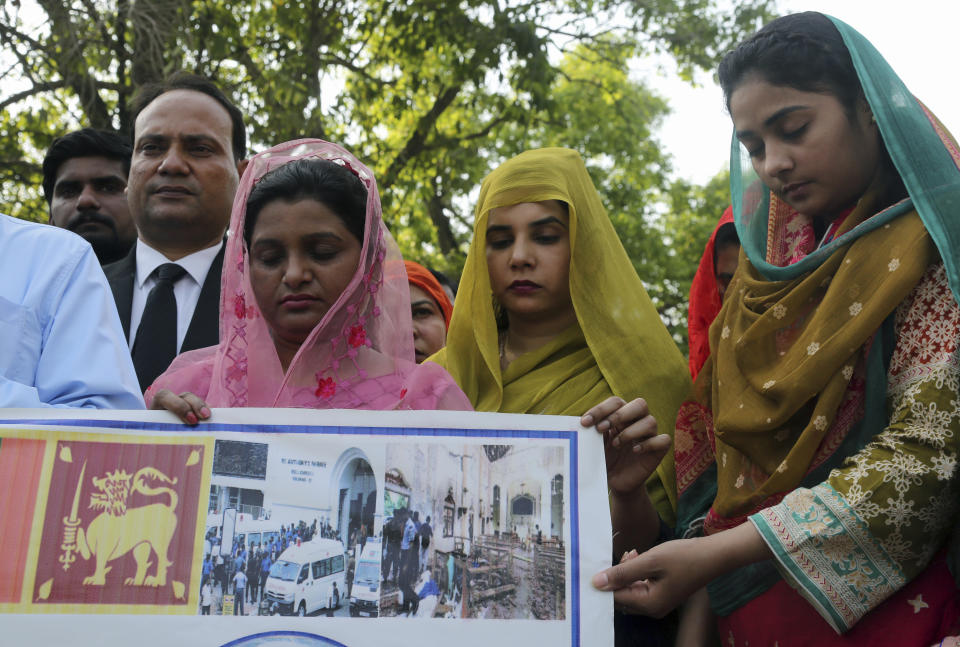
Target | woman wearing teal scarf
(817,468)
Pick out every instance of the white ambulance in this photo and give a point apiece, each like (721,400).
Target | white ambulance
(307,577)
(365,591)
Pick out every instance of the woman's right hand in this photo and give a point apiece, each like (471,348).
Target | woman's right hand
(186,406)
(657,581)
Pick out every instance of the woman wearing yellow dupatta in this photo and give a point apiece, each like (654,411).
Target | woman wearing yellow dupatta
(551,318)
(819,461)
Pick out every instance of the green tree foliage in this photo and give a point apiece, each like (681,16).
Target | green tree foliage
(691,218)
(431,94)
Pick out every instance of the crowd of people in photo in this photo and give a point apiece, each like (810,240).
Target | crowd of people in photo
(793,481)
(243,570)
(406,545)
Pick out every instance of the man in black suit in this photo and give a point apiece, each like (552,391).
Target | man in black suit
(189,144)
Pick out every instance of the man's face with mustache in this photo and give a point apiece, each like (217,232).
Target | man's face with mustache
(88,199)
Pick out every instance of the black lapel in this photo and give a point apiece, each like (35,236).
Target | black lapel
(204,327)
(121,275)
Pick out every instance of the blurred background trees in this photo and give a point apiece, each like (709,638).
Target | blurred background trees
(431,94)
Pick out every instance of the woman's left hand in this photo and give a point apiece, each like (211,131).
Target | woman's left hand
(631,445)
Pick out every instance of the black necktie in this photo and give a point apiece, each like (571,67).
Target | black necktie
(156,343)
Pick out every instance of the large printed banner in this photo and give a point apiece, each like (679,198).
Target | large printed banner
(296,527)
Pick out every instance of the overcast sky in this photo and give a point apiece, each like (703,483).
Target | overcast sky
(919,38)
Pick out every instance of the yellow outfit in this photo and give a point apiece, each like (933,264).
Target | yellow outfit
(619,347)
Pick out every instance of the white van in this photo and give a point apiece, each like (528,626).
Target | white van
(365,590)
(248,531)
(307,577)
(252,533)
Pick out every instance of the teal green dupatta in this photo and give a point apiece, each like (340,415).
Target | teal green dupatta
(927,159)
(923,152)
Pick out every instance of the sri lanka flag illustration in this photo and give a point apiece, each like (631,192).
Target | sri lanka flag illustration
(101,523)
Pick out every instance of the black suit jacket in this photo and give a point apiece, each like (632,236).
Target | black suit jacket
(204,329)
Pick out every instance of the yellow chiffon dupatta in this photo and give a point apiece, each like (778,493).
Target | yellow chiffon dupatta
(620,346)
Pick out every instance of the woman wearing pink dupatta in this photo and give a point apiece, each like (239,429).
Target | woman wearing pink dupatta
(359,355)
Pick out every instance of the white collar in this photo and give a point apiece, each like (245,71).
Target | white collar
(196,264)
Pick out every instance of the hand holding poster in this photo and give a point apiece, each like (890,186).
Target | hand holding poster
(360,522)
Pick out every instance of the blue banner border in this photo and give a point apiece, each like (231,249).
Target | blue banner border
(569,436)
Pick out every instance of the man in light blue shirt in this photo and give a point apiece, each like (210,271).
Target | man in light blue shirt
(61,343)
(239,588)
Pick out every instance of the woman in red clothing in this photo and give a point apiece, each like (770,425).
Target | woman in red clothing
(717,267)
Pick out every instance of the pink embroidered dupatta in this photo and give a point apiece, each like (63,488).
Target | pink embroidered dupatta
(360,355)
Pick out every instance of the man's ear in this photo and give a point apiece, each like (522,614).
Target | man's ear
(241,167)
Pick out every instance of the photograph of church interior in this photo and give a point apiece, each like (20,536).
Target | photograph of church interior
(497,518)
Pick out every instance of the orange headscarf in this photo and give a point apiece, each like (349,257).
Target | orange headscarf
(423,279)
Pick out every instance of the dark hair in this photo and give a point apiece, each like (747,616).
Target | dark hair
(803,51)
(187,81)
(444,280)
(327,182)
(726,236)
(86,142)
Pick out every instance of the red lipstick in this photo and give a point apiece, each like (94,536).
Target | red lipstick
(523,287)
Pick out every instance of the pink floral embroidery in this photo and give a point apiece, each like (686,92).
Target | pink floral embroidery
(238,368)
(358,336)
(326,387)
(239,306)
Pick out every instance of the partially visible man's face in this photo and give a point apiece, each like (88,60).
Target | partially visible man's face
(183,175)
(88,200)
(728,257)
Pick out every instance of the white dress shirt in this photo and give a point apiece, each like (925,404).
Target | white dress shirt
(186,290)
